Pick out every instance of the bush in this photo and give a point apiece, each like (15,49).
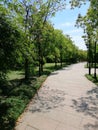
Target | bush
(23,91)
(91,78)
(10,109)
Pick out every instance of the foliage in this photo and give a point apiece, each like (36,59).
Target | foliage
(8,44)
(89,23)
(77,3)
(14,98)
(16,94)
(82,55)
(34,40)
(10,109)
(92,78)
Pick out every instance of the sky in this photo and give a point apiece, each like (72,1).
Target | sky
(65,20)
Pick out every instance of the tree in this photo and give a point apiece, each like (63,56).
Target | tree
(46,10)
(9,35)
(90,25)
(34,14)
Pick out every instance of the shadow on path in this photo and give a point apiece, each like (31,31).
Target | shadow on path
(47,99)
(90,126)
(89,106)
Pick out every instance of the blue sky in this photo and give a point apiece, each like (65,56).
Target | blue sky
(65,21)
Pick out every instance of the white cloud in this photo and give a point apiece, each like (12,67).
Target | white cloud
(77,38)
(75,31)
(75,35)
(68,6)
(79,42)
(67,24)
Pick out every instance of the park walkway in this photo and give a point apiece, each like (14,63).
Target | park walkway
(66,101)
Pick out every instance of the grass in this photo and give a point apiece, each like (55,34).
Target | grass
(91,78)
(15,75)
(16,93)
(92,65)
(50,67)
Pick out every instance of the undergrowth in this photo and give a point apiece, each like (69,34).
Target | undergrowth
(16,93)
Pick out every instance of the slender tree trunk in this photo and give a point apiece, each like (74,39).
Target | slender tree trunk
(26,69)
(89,59)
(95,61)
(26,58)
(89,69)
(61,59)
(39,65)
(39,51)
(55,62)
(41,68)
(41,58)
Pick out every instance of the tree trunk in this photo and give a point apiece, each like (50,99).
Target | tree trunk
(41,68)
(61,59)
(26,69)
(39,51)
(89,63)
(95,62)
(55,62)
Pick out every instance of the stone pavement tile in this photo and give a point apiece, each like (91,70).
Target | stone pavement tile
(66,127)
(30,128)
(42,123)
(25,118)
(21,126)
(71,110)
(74,92)
(64,117)
(89,124)
(69,99)
(27,115)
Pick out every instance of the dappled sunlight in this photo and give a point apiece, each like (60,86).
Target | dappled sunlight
(91,126)
(47,99)
(88,105)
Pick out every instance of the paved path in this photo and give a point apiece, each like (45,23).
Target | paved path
(67,101)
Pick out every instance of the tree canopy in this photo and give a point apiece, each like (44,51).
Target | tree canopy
(28,37)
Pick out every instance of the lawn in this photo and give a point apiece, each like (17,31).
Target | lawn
(15,75)
(92,65)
